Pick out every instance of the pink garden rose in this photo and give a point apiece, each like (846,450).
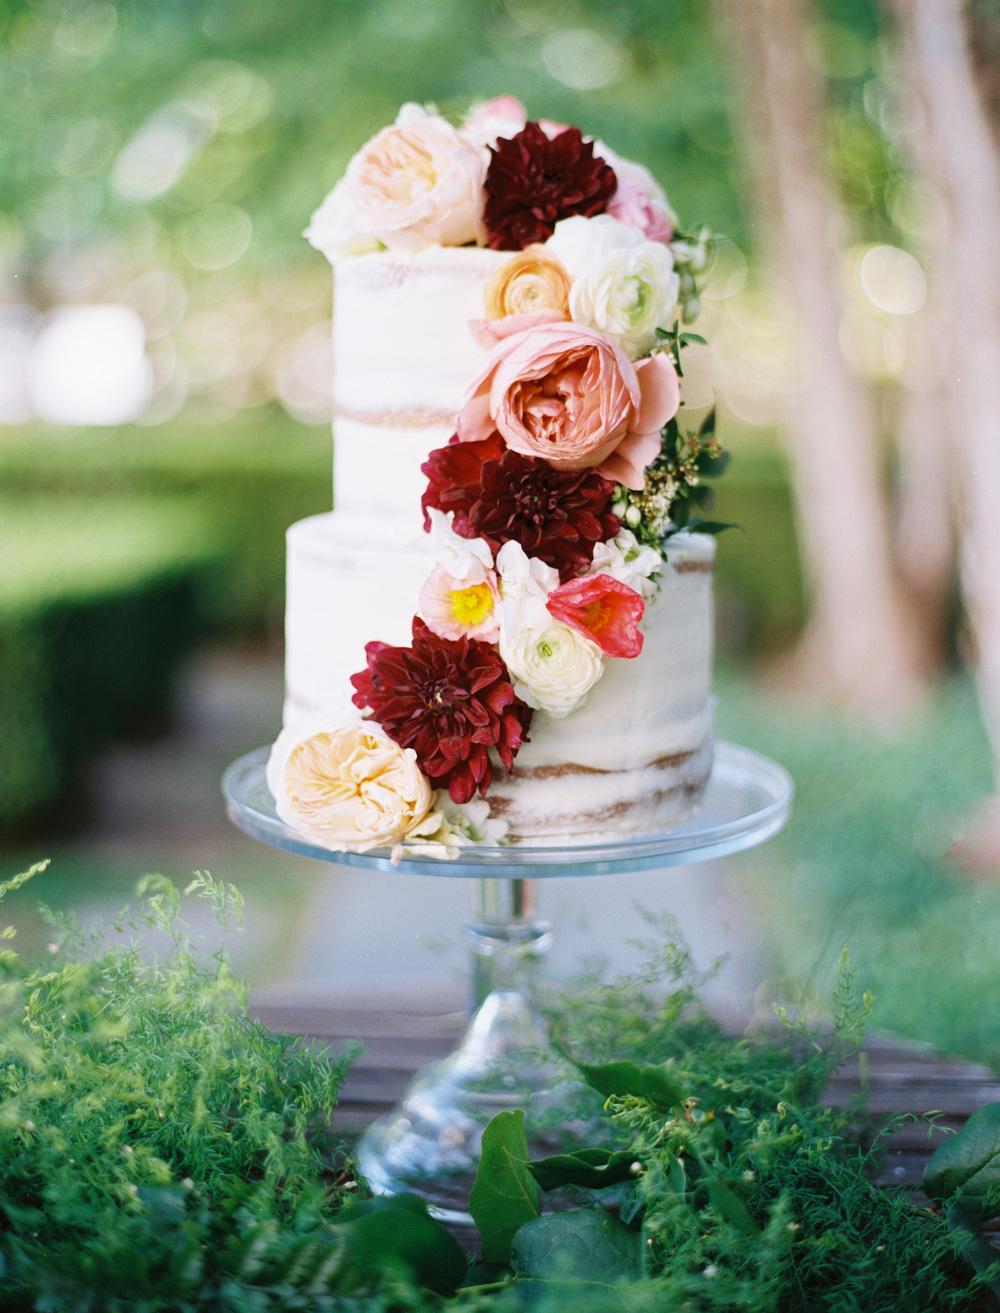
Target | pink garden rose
(567,395)
(503,116)
(633,205)
(419,184)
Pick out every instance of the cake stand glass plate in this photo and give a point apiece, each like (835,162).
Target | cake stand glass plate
(748,799)
(430,1143)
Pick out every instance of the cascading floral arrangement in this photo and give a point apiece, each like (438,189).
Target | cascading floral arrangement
(550,506)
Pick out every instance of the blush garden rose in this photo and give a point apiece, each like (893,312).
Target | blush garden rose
(419,184)
(568,395)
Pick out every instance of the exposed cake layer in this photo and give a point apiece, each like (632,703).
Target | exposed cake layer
(634,754)
(404,359)
(547,804)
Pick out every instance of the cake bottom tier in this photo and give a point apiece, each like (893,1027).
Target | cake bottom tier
(635,757)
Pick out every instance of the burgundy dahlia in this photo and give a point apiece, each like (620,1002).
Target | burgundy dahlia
(451,700)
(556,515)
(454,478)
(533,182)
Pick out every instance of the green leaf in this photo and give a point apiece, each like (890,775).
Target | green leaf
(977,1249)
(711,467)
(967,1165)
(398,1231)
(591,1169)
(728,1206)
(687,338)
(707,425)
(657,1084)
(586,1245)
(504,1195)
(709,526)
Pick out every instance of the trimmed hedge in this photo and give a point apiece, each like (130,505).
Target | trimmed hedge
(99,599)
(261,473)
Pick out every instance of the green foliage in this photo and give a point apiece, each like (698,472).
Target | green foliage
(593,1169)
(752,1194)
(966,1166)
(504,1195)
(156,1139)
(99,600)
(586,1245)
(398,1234)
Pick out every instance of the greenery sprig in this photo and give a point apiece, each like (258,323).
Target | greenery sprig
(674,494)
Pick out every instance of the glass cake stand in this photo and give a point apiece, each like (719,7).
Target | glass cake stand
(430,1143)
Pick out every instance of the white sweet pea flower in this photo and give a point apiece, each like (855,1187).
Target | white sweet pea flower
(525,583)
(464,558)
(451,826)
(628,561)
(553,668)
(623,284)
(410,112)
(339,228)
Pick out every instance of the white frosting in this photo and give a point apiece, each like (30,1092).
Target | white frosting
(404,359)
(404,362)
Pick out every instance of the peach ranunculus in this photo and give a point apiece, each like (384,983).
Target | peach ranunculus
(528,282)
(347,786)
(568,395)
(419,184)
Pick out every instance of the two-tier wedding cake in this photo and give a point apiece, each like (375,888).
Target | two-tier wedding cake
(502,630)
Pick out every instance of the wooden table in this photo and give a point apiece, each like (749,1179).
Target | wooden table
(402,1035)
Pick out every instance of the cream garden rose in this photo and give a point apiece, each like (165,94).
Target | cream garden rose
(623,285)
(347,786)
(553,669)
(419,183)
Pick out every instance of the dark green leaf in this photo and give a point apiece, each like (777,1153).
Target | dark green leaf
(687,338)
(657,1084)
(589,1245)
(977,1249)
(404,1236)
(591,1169)
(967,1165)
(711,467)
(709,526)
(701,495)
(727,1205)
(504,1195)
(707,425)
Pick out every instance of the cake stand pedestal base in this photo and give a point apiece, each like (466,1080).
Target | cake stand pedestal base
(429,1145)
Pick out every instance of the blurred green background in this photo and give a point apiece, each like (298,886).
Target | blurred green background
(166,157)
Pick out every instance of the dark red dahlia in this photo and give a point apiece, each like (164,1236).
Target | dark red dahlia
(454,478)
(533,182)
(500,495)
(451,700)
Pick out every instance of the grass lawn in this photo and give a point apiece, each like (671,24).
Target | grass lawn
(861,863)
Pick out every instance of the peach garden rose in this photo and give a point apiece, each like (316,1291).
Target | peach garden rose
(568,395)
(347,786)
(419,183)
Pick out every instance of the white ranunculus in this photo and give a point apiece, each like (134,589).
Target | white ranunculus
(553,668)
(346,785)
(339,228)
(628,561)
(467,559)
(623,285)
(525,582)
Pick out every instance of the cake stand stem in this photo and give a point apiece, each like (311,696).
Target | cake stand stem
(430,1143)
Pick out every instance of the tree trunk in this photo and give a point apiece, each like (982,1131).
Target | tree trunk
(859,647)
(966,168)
